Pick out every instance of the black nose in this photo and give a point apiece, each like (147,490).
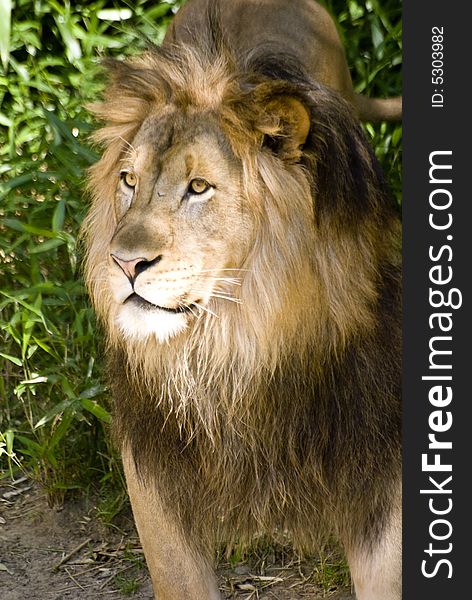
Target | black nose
(133,267)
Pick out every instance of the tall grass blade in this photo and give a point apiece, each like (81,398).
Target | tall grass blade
(5,28)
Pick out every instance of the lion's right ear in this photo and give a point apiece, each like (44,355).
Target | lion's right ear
(286,126)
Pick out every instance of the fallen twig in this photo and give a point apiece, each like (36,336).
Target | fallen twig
(74,579)
(67,557)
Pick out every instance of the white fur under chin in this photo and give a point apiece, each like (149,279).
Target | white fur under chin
(139,324)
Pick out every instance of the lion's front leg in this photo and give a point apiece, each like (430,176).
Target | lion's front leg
(177,572)
(376,566)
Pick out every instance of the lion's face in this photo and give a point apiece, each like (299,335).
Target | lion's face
(182,227)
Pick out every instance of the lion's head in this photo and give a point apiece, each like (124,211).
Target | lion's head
(237,211)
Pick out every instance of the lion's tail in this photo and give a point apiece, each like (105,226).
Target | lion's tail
(379,109)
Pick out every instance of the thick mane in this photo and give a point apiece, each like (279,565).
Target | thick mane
(323,270)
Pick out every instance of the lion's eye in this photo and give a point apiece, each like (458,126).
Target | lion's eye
(198,186)
(129,178)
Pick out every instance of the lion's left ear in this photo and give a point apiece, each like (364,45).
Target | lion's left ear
(287,126)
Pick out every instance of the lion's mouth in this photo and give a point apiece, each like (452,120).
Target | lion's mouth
(140,302)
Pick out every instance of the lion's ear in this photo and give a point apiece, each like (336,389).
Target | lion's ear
(287,126)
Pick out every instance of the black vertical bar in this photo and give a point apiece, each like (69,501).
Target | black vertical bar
(437,259)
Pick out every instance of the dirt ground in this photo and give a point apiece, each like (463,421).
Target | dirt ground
(70,554)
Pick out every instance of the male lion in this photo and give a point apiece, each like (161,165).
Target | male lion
(243,254)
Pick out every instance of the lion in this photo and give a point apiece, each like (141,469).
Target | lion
(243,254)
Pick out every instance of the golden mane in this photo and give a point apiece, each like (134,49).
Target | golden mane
(318,301)
(302,307)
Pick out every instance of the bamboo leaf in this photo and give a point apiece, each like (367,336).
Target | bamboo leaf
(59,408)
(95,409)
(5,26)
(114,14)
(58,216)
(17,361)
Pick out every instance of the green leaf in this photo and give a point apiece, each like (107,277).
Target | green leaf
(34,448)
(98,411)
(73,49)
(31,350)
(58,216)
(397,136)
(20,69)
(20,226)
(38,379)
(9,437)
(93,391)
(159,10)
(5,121)
(5,23)
(17,361)
(47,349)
(355,10)
(24,179)
(377,34)
(28,306)
(62,428)
(55,410)
(114,14)
(46,246)
(63,131)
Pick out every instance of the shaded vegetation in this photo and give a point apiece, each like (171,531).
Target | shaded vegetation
(54,407)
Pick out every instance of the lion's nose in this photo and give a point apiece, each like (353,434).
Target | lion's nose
(133,267)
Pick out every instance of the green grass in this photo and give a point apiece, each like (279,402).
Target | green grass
(127,585)
(54,415)
(54,405)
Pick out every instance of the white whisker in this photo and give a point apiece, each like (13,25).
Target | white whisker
(131,148)
(223,297)
(204,308)
(217,294)
(216,270)
(197,316)
(225,280)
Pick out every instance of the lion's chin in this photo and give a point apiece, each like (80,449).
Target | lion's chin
(140,324)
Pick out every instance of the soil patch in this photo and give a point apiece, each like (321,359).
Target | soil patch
(70,554)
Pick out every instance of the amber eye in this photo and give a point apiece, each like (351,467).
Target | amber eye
(129,178)
(198,186)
